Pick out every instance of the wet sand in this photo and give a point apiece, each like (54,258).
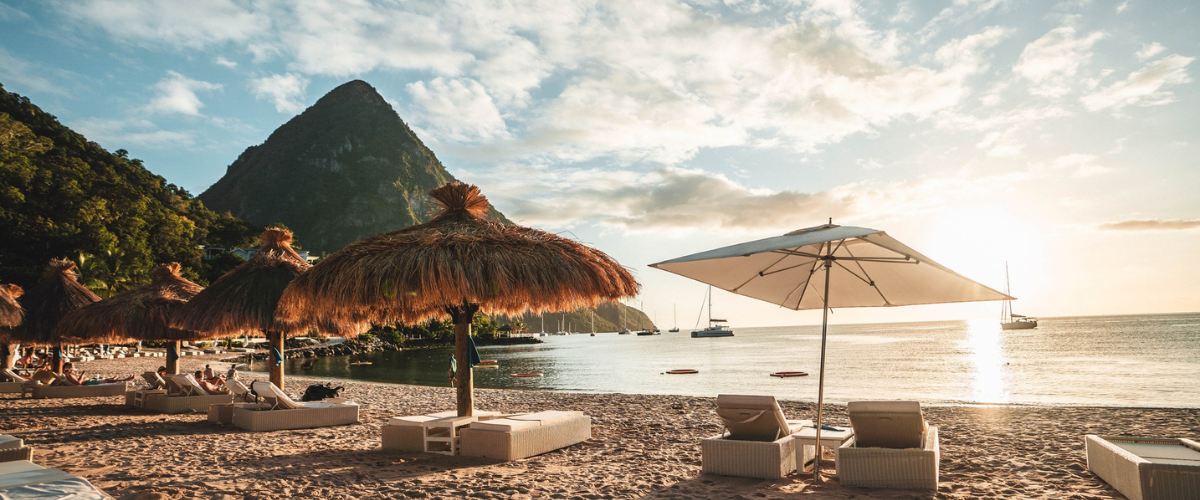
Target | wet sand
(641,447)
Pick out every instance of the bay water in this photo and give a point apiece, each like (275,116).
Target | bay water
(1140,361)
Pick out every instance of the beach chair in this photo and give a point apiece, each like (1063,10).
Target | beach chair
(12,448)
(15,383)
(25,479)
(280,412)
(184,394)
(155,380)
(892,447)
(1146,468)
(757,440)
(63,388)
(518,436)
(241,393)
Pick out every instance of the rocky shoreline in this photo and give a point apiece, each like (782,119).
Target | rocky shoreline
(296,348)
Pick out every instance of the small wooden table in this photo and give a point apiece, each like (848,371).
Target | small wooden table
(829,439)
(441,435)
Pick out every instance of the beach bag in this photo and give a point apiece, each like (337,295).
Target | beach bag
(318,392)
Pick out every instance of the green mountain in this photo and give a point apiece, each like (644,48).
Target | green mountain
(608,318)
(61,195)
(344,169)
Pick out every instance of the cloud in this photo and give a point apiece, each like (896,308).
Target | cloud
(577,80)
(9,13)
(458,110)
(17,71)
(225,62)
(1150,50)
(1079,165)
(1051,62)
(117,134)
(1143,87)
(285,91)
(678,200)
(185,24)
(1151,225)
(177,94)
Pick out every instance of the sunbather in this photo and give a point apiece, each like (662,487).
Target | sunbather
(211,387)
(77,378)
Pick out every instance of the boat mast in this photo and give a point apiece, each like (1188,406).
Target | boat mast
(710,306)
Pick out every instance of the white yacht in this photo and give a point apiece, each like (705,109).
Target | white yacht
(715,328)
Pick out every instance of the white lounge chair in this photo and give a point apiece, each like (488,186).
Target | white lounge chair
(185,395)
(1146,468)
(12,448)
(66,389)
(280,412)
(522,436)
(15,383)
(408,433)
(892,447)
(25,479)
(757,441)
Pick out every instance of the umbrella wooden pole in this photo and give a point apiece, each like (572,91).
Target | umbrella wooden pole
(57,361)
(276,341)
(463,380)
(821,383)
(173,357)
(9,354)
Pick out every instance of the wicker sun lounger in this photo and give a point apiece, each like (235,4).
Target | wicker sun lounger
(892,447)
(188,396)
(25,479)
(281,412)
(66,390)
(408,433)
(1146,468)
(522,436)
(757,441)
(12,448)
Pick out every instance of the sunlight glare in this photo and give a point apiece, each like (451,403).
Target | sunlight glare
(987,360)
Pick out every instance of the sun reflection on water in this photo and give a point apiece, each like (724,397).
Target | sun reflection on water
(987,360)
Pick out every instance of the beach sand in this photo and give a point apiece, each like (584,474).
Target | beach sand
(641,447)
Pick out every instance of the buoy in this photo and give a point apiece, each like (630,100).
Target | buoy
(487,361)
(687,371)
(360,363)
(789,374)
(486,366)
(523,375)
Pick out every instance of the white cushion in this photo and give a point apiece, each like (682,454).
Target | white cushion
(549,416)
(10,443)
(505,425)
(883,407)
(413,421)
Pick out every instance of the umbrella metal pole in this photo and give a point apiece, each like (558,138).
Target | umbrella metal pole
(821,383)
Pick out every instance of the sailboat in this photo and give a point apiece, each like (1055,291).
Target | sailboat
(714,329)
(1010,320)
(675,329)
(624,331)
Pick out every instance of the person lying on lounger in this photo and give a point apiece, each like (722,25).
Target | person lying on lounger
(77,378)
(214,386)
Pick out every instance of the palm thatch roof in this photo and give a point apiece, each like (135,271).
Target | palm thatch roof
(49,302)
(458,258)
(11,312)
(140,314)
(243,301)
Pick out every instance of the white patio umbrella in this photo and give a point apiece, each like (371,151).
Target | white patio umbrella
(825,267)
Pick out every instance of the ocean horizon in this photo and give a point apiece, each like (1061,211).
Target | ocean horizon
(1121,361)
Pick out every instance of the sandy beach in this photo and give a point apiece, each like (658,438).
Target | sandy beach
(642,447)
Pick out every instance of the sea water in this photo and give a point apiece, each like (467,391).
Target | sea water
(1144,361)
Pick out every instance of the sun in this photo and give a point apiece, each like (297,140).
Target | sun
(976,242)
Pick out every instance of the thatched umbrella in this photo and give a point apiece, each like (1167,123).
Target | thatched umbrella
(140,314)
(243,301)
(455,265)
(11,315)
(47,303)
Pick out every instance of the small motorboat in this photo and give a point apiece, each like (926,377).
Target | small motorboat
(360,363)
(789,374)
(487,361)
(684,371)
(524,375)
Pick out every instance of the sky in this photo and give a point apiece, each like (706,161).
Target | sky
(1057,137)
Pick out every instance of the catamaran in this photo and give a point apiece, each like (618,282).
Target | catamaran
(1010,320)
(714,329)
